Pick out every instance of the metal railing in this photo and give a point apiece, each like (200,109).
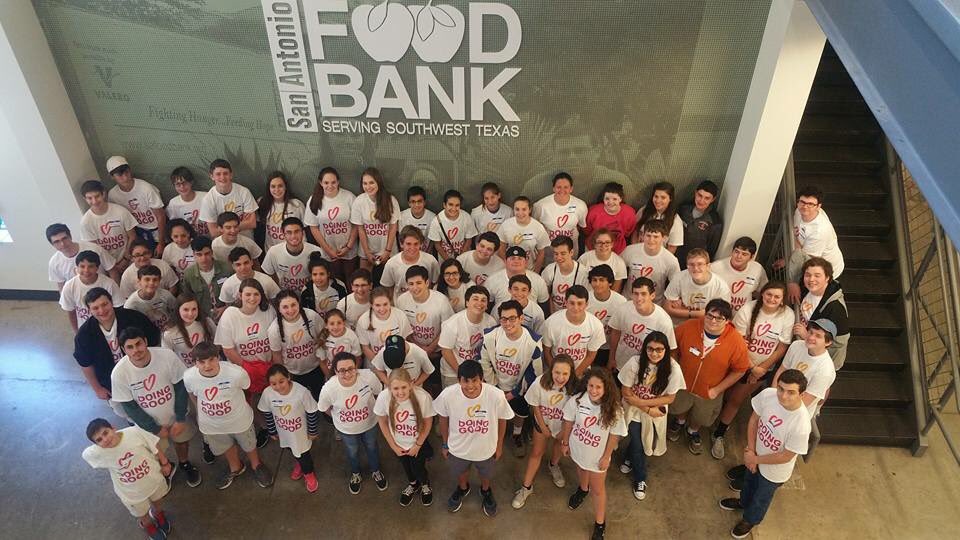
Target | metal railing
(783,207)
(931,300)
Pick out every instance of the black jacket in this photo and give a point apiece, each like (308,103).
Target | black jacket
(308,300)
(702,232)
(832,307)
(90,348)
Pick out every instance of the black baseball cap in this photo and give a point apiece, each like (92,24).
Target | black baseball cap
(393,352)
(516,251)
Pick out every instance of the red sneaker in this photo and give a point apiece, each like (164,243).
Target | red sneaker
(297,471)
(311,481)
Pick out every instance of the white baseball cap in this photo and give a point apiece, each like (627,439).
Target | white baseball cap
(115,161)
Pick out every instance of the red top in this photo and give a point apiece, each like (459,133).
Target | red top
(621,225)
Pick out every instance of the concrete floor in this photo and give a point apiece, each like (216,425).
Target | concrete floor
(48,491)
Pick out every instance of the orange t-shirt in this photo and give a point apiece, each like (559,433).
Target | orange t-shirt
(702,371)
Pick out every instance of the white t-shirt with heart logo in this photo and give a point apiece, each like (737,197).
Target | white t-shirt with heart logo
(423,223)
(396,323)
(562,336)
(239,201)
(298,346)
(173,340)
(506,360)
(473,421)
(395,271)
(532,237)
(458,231)
(150,387)
(352,309)
(133,465)
(479,273)
(221,249)
(249,335)
(642,386)
(351,407)
(363,213)
(558,283)
(177,257)
(742,282)
(561,219)
(291,270)
(405,429)
(549,402)
(273,226)
(777,430)
(333,220)
(818,369)
(486,220)
(177,208)
(348,342)
(71,297)
(61,268)
(635,327)
(589,436)
(222,407)
(129,278)
(290,416)
(158,309)
(230,289)
(109,231)
(425,318)
(660,268)
(604,310)
(768,331)
(694,295)
(464,338)
(140,201)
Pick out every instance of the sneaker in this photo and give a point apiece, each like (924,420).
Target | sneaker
(192,474)
(731,504)
(626,467)
(406,496)
(297,472)
(311,481)
(520,498)
(557,474)
(734,473)
(354,484)
(456,498)
(577,498)
(160,518)
(741,529)
(208,456)
(426,495)
(263,437)
(380,480)
(263,476)
(518,449)
(695,446)
(673,432)
(154,532)
(716,448)
(598,531)
(489,503)
(736,485)
(228,477)
(173,470)
(640,490)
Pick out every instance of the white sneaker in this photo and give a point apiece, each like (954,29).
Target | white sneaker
(640,490)
(520,498)
(557,474)
(716,448)
(626,467)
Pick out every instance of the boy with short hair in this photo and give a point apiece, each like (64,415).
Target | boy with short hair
(744,275)
(462,335)
(243,269)
(228,196)
(533,317)
(87,277)
(688,295)
(395,269)
(289,262)
(63,265)
(452,231)
(108,225)
(650,259)
(425,308)
(322,291)
(225,417)
(399,353)
(702,226)
(156,303)
(632,322)
(138,471)
(141,256)
(148,383)
(228,224)
(822,298)
(573,331)
(516,265)
(482,261)
(563,273)
(186,205)
(603,302)
(814,236)
(473,421)
(357,302)
(417,214)
(204,278)
(143,201)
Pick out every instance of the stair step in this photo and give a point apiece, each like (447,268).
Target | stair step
(837,159)
(861,285)
(839,190)
(869,389)
(875,319)
(859,222)
(868,426)
(838,108)
(876,353)
(858,253)
(826,77)
(827,127)
(835,94)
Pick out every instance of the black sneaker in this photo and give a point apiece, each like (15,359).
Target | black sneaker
(489,503)
(736,472)
(456,498)
(741,529)
(577,498)
(380,480)
(406,496)
(192,474)
(673,431)
(263,437)
(208,456)
(229,475)
(426,495)
(263,475)
(598,531)
(736,485)
(354,484)
(731,504)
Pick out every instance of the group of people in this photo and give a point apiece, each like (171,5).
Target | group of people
(550,324)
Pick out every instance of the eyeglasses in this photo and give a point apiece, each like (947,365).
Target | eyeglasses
(451,274)
(509,319)
(806,204)
(140,255)
(603,242)
(714,318)
(345,371)
(656,350)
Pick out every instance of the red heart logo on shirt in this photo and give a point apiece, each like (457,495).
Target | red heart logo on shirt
(351,401)
(149,382)
(639,328)
(295,269)
(195,338)
(452,233)
(573,339)
(775,420)
(333,213)
(645,271)
(475,339)
(133,203)
(253,329)
(602,314)
(590,421)
(183,263)
(195,215)
(737,286)
(562,220)
(422,316)
(337,350)
(402,416)
(105,228)
(762,329)
(562,288)
(211,393)
(125,461)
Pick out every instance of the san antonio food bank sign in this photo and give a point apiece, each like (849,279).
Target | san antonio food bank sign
(387,32)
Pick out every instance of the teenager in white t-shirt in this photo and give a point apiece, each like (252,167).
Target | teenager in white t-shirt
(492,213)
(337,337)
(395,269)
(603,303)
(289,262)
(651,260)
(461,337)
(776,434)
(405,414)
(156,303)
(524,231)
(602,253)
(293,341)
(141,198)
(186,205)
(593,423)
(328,216)
(148,383)
(357,302)
(227,196)
(533,317)
(322,291)
(275,207)
(224,415)
(562,214)
(178,253)
(189,327)
(547,395)
(688,295)
(573,331)
(137,468)
(140,254)
(744,275)
(563,273)
(380,321)
(814,236)
(375,213)
(483,261)
(426,310)
(63,264)
(453,283)
(661,206)
(87,277)
(242,264)
(632,322)
(107,225)
(399,353)
(417,214)
(650,382)
(453,230)
(230,238)
(293,420)
(349,399)
(473,420)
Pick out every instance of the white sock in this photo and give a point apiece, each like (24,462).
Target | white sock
(517,430)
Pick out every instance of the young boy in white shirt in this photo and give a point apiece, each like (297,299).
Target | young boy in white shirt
(473,421)
(417,214)
(186,205)
(426,310)
(516,265)
(744,275)
(141,199)
(573,331)
(632,322)
(532,315)
(814,236)
(289,262)
(688,295)
(63,265)
(228,224)
(452,231)
(108,225)
(564,272)
(651,259)
(141,256)
(228,196)
(243,268)
(87,277)
(603,303)
(395,269)
(157,304)
(483,261)
(462,335)
(224,415)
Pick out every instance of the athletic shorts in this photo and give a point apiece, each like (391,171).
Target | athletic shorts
(246,440)
(520,406)
(258,375)
(140,509)
(459,466)
(699,411)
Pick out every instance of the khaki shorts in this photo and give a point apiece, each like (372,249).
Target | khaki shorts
(699,411)
(141,508)
(189,432)
(246,440)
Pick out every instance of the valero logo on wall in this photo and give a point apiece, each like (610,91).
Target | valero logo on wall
(387,32)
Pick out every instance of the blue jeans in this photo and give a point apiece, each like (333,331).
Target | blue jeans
(638,459)
(369,441)
(756,496)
